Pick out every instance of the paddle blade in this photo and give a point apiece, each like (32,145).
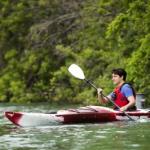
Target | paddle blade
(76,71)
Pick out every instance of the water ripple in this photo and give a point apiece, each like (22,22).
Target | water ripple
(116,135)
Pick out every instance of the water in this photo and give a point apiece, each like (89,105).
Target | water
(104,136)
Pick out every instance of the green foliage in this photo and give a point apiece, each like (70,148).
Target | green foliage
(40,39)
(61,90)
(138,66)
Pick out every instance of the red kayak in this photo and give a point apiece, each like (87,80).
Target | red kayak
(88,114)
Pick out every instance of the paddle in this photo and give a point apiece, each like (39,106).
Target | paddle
(77,72)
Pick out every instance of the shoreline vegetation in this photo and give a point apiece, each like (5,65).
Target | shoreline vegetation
(39,40)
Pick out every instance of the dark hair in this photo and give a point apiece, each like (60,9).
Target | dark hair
(121,72)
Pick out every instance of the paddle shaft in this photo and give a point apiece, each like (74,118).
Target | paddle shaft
(108,99)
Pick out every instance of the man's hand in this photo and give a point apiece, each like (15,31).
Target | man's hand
(124,108)
(99,91)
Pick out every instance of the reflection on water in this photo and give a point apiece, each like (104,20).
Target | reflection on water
(117,135)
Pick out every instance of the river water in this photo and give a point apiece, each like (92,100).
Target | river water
(104,136)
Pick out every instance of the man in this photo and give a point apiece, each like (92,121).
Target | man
(123,95)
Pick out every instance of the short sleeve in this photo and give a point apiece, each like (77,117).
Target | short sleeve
(112,95)
(127,90)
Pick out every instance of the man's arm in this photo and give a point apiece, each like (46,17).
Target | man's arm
(131,103)
(101,98)
(129,94)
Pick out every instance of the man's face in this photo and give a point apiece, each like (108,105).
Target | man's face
(116,79)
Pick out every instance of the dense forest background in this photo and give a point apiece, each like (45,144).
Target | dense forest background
(39,39)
